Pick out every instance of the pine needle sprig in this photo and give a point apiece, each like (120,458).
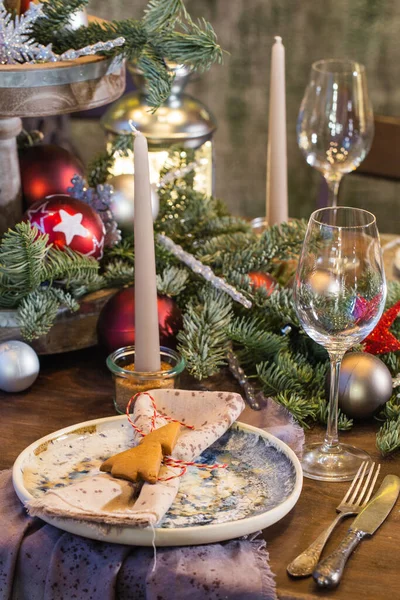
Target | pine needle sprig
(56,15)
(119,273)
(38,311)
(163,13)
(388,437)
(196,46)
(27,262)
(151,62)
(22,257)
(203,341)
(254,343)
(301,408)
(172,281)
(68,266)
(275,380)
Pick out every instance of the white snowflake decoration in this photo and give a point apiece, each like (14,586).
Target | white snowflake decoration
(17,46)
(100,199)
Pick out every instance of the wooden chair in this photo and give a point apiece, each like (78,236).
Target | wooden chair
(383,160)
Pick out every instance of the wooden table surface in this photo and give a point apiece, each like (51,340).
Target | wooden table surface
(75,387)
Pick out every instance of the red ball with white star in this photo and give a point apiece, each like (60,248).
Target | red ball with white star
(69,223)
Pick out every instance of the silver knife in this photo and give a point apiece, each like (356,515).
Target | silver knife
(330,570)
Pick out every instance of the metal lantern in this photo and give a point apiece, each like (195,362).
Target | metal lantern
(181,120)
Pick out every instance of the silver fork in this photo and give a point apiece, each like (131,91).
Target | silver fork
(354,500)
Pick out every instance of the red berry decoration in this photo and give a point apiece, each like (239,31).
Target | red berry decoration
(264,280)
(69,223)
(116,324)
(46,170)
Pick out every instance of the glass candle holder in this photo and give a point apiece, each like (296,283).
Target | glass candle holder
(129,382)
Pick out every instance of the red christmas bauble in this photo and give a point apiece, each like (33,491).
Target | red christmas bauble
(264,280)
(116,324)
(24,6)
(46,170)
(69,223)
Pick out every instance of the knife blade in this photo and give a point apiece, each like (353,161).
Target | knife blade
(329,571)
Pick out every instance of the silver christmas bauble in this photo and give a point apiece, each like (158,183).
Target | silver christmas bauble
(123,204)
(78,19)
(365,384)
(19,366)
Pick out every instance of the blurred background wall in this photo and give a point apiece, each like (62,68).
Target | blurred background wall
(237,91)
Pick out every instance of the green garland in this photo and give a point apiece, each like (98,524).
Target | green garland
(284,362)
(166,34)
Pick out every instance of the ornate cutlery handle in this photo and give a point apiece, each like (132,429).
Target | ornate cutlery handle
(305,563)
(329,571)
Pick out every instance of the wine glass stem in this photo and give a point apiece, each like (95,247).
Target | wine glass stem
(331,438)
(333,187)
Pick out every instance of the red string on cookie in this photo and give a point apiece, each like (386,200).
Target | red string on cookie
(168,461)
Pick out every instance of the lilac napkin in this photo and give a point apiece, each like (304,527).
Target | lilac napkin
(41,562)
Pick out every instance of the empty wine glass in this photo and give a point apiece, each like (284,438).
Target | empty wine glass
(340,292)
(335,126)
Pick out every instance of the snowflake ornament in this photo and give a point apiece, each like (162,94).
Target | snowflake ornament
(99,199)
(17,45)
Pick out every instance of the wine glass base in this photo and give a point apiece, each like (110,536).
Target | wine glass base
(341,464)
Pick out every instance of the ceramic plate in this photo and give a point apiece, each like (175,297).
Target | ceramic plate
(260,486)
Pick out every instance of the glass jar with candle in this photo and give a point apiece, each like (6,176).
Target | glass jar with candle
(181,120)
(129,382)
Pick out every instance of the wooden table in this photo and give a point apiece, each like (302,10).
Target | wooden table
(76,387)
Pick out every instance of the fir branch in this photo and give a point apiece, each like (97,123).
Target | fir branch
(172,281)
(203,339)
(393,293)
(119,273)
(275,380)
(391,410)
(163,13)
(69,266)
(156,72)
(254,343)
(301,408)
(277,308)
(22,258)
(37,313)
(195,46)
(388,437)
(27,261)
(38,310)
(56,15)
(80,288)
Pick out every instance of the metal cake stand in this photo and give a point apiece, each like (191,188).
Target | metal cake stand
(44,90)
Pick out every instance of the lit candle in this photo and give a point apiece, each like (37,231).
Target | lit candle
(277,194)
(147,338)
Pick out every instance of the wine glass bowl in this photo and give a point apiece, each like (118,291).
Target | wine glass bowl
(339,293)
(335,127)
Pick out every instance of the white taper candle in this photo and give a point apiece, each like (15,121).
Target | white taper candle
(277,192)
(147,337)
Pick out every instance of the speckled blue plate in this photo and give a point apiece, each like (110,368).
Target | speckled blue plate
(261,485)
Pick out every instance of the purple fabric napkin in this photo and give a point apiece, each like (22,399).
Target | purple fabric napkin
(41,562)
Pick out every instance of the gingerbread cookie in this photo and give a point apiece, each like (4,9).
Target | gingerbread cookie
(144,461)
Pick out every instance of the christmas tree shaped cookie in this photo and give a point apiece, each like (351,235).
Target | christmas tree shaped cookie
(144,461)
